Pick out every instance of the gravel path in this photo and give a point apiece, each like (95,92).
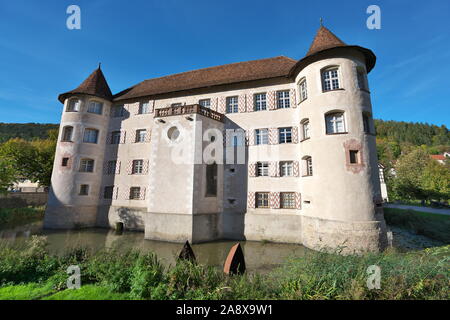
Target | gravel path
(415,208)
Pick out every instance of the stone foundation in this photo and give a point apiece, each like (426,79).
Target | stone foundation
(273,227)
(70,217)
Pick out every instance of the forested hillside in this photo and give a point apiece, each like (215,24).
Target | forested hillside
(26,131)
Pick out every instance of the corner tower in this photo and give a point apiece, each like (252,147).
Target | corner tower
(340,185)
(77,169)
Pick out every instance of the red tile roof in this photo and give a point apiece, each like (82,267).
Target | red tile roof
(324,39)
(438,157)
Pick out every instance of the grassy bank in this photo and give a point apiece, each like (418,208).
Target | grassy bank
(32,273)
(17,216)
(435,226)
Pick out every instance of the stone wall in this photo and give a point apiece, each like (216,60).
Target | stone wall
(23,199)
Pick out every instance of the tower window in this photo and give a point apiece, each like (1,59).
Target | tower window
(140,135)
(205,103)
(366,122)
(262,199)
(335,123)
(211,180)
(118,111)
(65,162)
(135,193)
(262,136)
(262,169)
(115,137)
(305,129)
(286,169)
(260,102)
(285,135)
(308,168)
(73,105)
(303,90)
(90,136)
(354,156)
(108,192)
(287,200)
(232,104)
(330,79)
(87,165)
(111,167)
(84,190)
(362,79)
(283,99)
(67,134)
(95,107)
(138,167)
(144,108)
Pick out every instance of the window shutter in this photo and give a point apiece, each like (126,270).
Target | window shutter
(108,138)
(251,137)
(221,105)
(135,107)
(250,102)
(145,168)
(105,167)
(275,200)
(296,169)
(148,135)
(142,193)
(130,167)
(252,169)
(273,136)
(123,135)
(251,200)
(273,169)
(118,167)
(242,103)
(115,193)
(271,103)
(298,200)
(294,134)
(292,98)
(132,136)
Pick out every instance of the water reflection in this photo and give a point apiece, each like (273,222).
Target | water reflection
(259,256)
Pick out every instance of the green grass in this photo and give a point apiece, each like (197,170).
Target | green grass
(33,273)
(435,226)
(17,216)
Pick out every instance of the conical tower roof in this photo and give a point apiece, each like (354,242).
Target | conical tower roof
(94,85)
(324,39)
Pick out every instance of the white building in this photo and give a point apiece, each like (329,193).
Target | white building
(302,131)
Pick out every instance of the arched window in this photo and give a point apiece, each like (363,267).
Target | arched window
(307,167)
(95,107)
(330,79)
(73,105)
(67,133)
(305,129)
(303,89)
(335,123)
(90,135)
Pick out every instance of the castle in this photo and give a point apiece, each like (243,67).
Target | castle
(300,136)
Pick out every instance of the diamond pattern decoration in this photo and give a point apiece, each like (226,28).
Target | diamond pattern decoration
(221,105)
(271,101)
(292,98)
(294,134)
(273,135)
(274,169)
(242,103)
(275,200)
(298,200)
(296,169)
(251,200)
(252,169)
(250,137)
(250,102)
(214,104)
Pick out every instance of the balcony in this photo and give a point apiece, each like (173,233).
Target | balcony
(189,109)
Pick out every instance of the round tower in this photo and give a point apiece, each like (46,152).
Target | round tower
(78,166)
(340,185)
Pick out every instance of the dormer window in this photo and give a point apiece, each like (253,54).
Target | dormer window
(330,79)
(73,105)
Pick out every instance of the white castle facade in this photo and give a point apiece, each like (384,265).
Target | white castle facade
(273,149)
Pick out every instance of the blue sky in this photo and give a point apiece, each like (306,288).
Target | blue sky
(137,40)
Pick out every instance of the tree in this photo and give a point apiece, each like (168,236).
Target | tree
(7,175)
(436,180)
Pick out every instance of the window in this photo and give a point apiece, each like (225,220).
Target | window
(138,167)
(115,137)
(262,199)
(305,129)
(262,136)
(90,136)
(140,135)
(73,105)
(95,107)
(205,103)
(362,79)
(287,200)
(262,169)
(335,123)
(330,79)
(67,134)
(118,111)
(211,180)
(111,167)
(65,162)
(87,165)
(232,104)
(366,122)
(108,192)
(283,100)
(308,169)
(84,190)
(144,108)
(286,169)
(260,102)
(135,193)
(285,135)
(303,90)
(354,156)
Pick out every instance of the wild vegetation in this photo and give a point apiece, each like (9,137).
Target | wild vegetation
(25,131)
(32,273)
(17,216)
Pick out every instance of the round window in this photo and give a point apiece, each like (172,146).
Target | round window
(173,133)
